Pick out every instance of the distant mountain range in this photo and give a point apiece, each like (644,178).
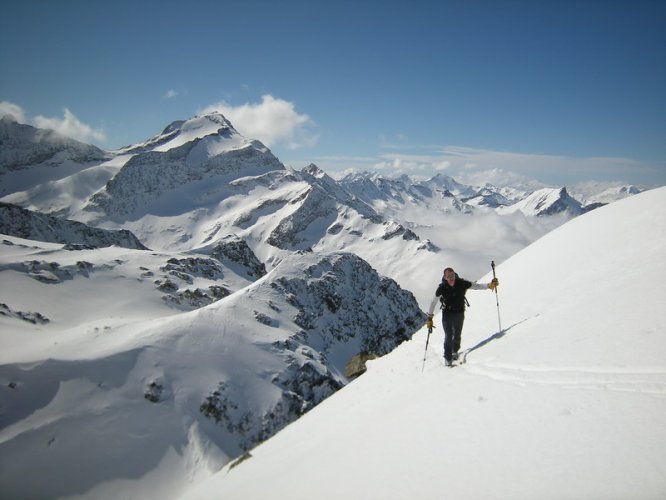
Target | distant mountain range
(200,178)
(198,143)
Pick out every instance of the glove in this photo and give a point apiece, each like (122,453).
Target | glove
(493,284)
(429,322)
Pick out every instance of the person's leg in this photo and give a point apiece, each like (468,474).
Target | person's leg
(457,321)
(448,325)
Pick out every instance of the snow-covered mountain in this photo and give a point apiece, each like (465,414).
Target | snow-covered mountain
(104,364)
(602,193)
(204,151)
(29,155)
(199,179)
(441,194)
(547,201)
(565,402)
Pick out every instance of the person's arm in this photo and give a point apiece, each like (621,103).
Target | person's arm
(482,286)
(431,310)
(435,299)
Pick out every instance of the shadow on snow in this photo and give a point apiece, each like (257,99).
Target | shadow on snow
(494,336)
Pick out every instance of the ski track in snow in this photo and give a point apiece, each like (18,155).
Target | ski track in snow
(647,380)
(642,379)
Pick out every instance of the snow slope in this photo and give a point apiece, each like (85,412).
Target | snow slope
(567,402)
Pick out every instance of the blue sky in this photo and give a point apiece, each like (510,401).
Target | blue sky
(560,91)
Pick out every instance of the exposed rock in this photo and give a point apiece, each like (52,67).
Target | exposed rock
(232,249)
(22,223)
(356,365)
(30,317)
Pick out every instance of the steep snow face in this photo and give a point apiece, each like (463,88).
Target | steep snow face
(108,373)
(183,131)
(547,201)
(565,402)
(31,156)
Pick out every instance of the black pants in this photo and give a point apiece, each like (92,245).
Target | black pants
(453,325)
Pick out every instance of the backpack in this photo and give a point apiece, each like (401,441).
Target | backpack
(466,302)
(441,301)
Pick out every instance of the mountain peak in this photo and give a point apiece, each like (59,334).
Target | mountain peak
(548,201)
(314,171)
(185,153)
(214,121)
(180,132)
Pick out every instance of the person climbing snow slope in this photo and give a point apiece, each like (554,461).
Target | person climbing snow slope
(451,294)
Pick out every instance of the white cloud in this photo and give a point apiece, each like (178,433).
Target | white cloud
(411,164)
(71,126)
(554,169)
(272,121)
(170,94)
(9,108)
(473,163)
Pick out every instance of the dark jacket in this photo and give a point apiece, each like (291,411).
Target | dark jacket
(453,297)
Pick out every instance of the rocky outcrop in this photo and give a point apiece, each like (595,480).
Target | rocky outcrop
(233,252)
(343,311)
(340,299)
(22,223)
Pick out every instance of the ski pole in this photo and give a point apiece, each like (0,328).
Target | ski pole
(499,321)
(426,348)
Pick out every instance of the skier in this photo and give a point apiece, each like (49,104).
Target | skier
(451,293)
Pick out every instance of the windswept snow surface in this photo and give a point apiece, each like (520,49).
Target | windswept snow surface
(568,401)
